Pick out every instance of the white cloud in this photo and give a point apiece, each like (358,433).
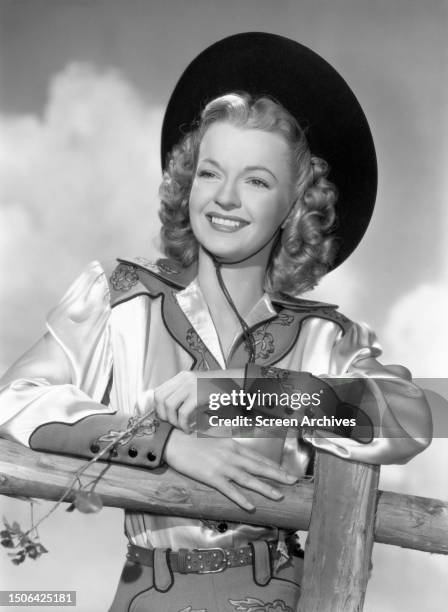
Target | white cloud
(77,184)
(416,331)
(341,287)
(416,334)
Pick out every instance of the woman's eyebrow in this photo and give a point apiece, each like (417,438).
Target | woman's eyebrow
(254,168)
(208,160)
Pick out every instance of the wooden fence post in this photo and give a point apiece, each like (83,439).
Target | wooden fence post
(340,538)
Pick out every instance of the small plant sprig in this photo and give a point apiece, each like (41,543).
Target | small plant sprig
(25,544)
(86,500)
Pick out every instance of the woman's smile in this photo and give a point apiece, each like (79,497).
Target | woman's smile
(226,223)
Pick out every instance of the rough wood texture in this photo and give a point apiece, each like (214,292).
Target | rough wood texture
(28,473)
(340,537)
(414,522)
(402,520)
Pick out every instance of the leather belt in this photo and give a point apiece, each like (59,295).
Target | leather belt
(201,560)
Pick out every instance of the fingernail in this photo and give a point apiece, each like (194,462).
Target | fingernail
(277,494)
(291,478)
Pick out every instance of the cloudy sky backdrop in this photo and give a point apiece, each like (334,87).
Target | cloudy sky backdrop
(83,86)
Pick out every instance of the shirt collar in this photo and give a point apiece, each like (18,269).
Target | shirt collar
(193,304)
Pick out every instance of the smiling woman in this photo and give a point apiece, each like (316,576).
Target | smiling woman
(285,188)
(248,217)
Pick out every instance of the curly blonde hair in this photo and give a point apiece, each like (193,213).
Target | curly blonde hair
(306,247)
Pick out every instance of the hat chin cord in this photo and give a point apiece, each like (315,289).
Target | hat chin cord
(218,263)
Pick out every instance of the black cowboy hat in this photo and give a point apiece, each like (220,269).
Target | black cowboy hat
(310,89)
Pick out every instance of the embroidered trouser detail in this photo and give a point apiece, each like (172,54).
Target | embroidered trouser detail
(252,604)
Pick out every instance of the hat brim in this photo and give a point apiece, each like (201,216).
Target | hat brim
(310,89)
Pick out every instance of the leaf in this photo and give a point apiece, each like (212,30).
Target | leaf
(88,502)
(19,558)
(32,552)
(41,548)
(25,540)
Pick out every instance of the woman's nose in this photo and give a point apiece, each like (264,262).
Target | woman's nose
(227,196)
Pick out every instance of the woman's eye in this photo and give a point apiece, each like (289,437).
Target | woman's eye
(258,182)
(206,174)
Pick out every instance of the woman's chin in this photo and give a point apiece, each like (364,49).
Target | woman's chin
(225,253)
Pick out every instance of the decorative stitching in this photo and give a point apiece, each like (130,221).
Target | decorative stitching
(124,277)
(284,319)
(197,345)
(158,267)
(264,342)
(278,373)
(252,604)
(264,339)
(148,427)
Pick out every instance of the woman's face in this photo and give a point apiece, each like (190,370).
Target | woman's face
(242,190)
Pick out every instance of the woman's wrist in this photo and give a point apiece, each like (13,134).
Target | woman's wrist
(172,444)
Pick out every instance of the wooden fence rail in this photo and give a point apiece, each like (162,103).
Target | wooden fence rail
(401,520)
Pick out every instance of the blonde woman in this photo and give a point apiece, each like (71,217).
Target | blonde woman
(248,224)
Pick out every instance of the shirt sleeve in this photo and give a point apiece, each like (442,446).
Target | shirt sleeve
(64,376)
(397,408)
(51,399)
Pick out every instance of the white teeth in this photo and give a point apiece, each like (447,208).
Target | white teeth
(228,222)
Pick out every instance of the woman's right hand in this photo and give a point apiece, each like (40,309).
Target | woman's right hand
(221,463)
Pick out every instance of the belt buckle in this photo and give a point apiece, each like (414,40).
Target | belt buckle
(219,565)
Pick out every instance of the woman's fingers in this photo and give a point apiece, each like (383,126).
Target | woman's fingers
(263,466)
(187,415)
(172,395)
(233,493)
(248,481)
(168,403)
(256,468)
(224,465)
(173,404)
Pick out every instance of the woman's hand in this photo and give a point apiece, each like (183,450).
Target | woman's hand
(177,399)
(221,463)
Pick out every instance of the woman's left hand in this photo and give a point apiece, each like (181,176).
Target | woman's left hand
(177,399)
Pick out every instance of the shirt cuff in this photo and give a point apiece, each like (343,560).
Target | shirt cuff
(143,447)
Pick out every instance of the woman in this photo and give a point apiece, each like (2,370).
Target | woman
(247,214)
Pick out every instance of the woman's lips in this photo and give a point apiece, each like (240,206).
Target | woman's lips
(226,224)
